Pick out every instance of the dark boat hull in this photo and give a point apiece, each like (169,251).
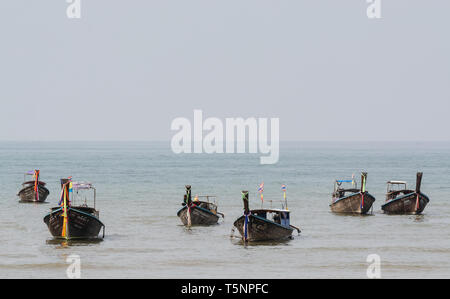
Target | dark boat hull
(81,225)
(352,204)
(406,204)
(260,229)
(28,194)
(199,216)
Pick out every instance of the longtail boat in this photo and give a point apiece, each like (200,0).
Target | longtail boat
(197,212)
(69,221)
(351,200)
(401,200)
(264,224)
(33,190)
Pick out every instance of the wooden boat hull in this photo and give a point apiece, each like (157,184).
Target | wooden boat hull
(406,204)
(27,194)
(199,216)
(352,204)
(81,225)
(261,229)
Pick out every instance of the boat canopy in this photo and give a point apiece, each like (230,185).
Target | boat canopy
(345,181)
(82,186)
(30,172)
(272,210)
(206,196)
(397,182)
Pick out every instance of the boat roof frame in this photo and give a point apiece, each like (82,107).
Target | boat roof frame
(397,183)
(30,172)
(76,186)
(207,198)
(345,181)
(271,210)
(338,183)
(82,186)
(391,184)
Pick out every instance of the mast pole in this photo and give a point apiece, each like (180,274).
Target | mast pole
(246,213)
(363,187)
(418,185)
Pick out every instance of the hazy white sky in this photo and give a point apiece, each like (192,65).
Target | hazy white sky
(126,69)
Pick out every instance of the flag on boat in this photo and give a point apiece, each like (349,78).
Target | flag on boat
(283,188)
(261,188)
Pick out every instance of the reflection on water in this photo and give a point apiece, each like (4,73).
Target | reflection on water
(236,239)
(63,243)
(239,241)
(415,218)
(419,218)
(352,214)
(32,203)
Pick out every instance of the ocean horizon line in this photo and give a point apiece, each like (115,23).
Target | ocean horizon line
(168,141)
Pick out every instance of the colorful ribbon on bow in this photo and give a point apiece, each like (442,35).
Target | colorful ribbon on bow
(64,232)
(36,184)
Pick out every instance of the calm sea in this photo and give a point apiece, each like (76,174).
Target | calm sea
(140,187)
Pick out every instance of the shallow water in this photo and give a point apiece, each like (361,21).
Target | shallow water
(140,187)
